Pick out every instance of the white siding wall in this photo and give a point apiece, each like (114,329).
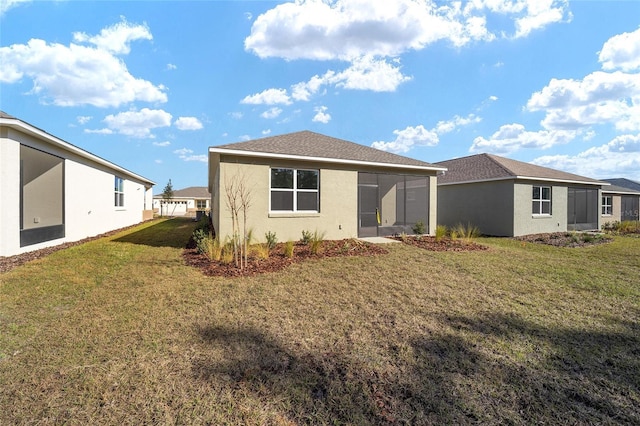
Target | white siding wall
(89,196)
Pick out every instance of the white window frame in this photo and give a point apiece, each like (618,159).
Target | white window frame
(201,204)
(295,190)
(607,206)
(118,192)
(541,201)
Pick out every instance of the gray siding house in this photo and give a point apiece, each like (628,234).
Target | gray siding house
(620,200)
(505,197)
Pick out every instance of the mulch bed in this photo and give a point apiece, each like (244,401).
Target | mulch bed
(445,244)
(349,247)
(277,260)
(566,239)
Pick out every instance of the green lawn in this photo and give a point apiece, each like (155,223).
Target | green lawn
(120,331)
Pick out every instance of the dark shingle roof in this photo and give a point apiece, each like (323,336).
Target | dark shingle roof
(615,189)
(190,192)
(483,167)
(310,144)
(624,183)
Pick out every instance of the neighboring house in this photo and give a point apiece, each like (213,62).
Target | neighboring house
(620,200)
(185,201)
(308,181)
(53,192)
(505,197)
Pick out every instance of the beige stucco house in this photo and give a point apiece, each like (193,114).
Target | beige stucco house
(505,197)
(185,202)
(620,201)
(53,192)
(306,181)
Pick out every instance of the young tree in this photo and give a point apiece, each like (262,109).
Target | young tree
(167,195)
(238,200)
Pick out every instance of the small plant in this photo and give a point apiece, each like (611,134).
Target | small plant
(465,232)
(288,249)
(306,236)
(419,228)
(272,240)
(261,251)
(228,252)
(345,247)
(403,236)
(441,232)
(315,243)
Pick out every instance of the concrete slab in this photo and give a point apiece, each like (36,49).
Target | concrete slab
(379,240)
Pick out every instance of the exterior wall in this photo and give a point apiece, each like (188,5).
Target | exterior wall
(526,223)
(487,205)
(88,195)
(337,218)
(9,194)
(616,210)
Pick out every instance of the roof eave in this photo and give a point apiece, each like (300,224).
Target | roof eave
(322,159)
(526,178)
(41,134)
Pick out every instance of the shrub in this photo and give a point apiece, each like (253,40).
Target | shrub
(288,249)
(441,232)
(419,228)
(272,240)
(306,236)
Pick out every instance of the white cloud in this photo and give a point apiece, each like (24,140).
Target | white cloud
(271,113)
(137,124)
(619,157)
(165,143)
(621,52)
(419,136)
(597,99)
(368,73)
(539,14)
(83,119)
(81,75)
(321,115)
(5,5)
(450,125)
(268,97)
(117,38)
(188,123)
(348,29)
(266,132)
(186,154)
(408,138)
(172,67)
(512,137)
(236,115)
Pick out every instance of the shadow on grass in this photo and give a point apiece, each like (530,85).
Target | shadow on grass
(581,377)
(167,233)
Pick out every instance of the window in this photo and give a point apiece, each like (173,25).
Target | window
(541,200)
(201,204)
(295,190)
(607,202)
(119,192)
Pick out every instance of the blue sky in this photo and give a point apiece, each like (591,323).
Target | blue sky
(150,85)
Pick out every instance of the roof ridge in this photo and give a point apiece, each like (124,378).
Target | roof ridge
(494,158)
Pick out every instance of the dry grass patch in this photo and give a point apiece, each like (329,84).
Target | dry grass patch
(515,334)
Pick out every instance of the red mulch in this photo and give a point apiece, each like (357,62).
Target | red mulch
(445,244)
(277,260)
